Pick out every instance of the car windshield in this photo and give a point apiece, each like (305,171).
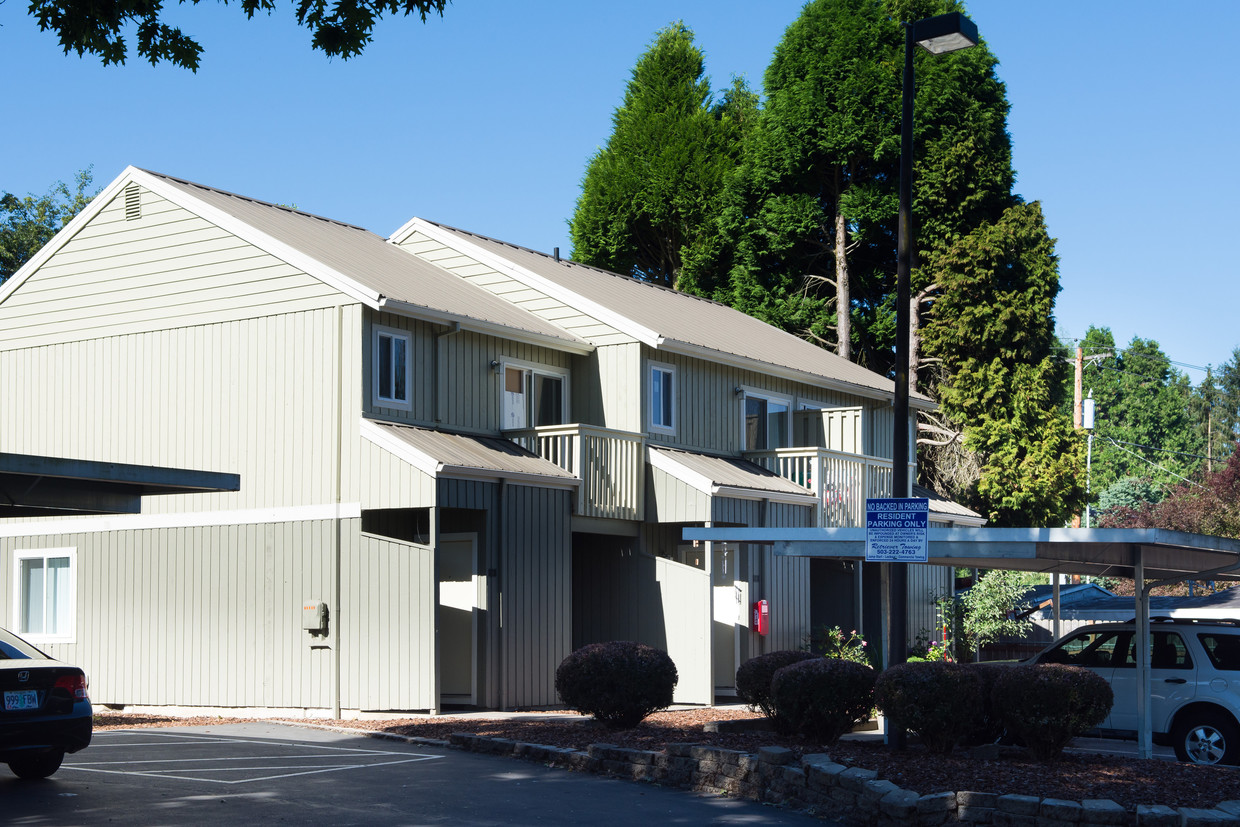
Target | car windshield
(14,648)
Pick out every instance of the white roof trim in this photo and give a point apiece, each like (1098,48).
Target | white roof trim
(701,482)
(500,264)
(66,233)
(571,345)
(247,232)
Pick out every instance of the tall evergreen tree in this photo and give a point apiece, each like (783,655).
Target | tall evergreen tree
(650,195)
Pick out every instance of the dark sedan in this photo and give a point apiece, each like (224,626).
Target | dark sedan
(46,710)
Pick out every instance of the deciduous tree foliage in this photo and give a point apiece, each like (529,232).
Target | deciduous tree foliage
(1208,505)
(341,28)
(649,197)
(26,224)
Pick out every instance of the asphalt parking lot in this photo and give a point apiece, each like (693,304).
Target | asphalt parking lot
(247,773)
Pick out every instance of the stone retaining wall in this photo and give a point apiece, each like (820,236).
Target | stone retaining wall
(817,784)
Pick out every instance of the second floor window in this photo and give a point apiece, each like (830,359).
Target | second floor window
(766,422)
(662,398)
(532,398)
(391,360)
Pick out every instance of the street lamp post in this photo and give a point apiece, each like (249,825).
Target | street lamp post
(937,35)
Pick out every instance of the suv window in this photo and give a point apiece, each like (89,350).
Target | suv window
(1089,649)
(1167,651)
(1222,650)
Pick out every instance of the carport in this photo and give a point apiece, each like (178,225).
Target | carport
(1152,556)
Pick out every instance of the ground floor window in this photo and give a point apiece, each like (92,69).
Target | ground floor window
(44,594)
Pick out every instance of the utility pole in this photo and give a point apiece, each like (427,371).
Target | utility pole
(1077,386)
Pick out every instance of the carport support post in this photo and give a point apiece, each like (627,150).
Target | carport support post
(1141,653)
(1055,578)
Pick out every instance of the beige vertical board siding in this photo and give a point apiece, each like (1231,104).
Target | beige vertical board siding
(623,594)
(389,482)
(882,432)
(168,269)
(925,583)
(256,397)
(207,616)
(671,501)
(467,394)
(615,388)
(388,626)
(708,411)
(537,592)
(505,286)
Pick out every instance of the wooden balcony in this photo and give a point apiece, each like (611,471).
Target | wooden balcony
(841,481)
(611,465)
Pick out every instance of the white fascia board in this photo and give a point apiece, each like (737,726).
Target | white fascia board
(67,232)
(668,465)
(399,448)
(261,240)
(529,279)
(461,472)
(737,493)
(183,519)
(580,347)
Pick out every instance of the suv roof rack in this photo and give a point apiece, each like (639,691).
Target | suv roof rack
(1190,621)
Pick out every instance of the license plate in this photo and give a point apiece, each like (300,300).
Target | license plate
(23,699)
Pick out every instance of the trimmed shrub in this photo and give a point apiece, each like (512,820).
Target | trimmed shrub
(753,679)
(985,725)
(619,682)
(934,699)
(822,698)
(1047,705)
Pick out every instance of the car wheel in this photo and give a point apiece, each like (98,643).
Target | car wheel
(1207,738)
(40,765)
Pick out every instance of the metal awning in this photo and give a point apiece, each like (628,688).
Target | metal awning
(38,486)
(1113,552)
(1147,555)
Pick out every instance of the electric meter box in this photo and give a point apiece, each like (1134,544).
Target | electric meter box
(313,616)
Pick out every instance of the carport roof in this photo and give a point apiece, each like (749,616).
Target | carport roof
(1097,551)
(35,486)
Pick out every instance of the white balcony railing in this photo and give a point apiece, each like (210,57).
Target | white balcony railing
(610,464)
(841,481)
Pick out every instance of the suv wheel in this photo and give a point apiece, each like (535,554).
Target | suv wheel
(39,765)
(1207,738)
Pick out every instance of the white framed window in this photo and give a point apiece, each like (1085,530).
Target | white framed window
(533,395)
(765,421)
(393,368)
(45,594)
(662,394)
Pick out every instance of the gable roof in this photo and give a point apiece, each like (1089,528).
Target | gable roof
(353,260)
(667,319)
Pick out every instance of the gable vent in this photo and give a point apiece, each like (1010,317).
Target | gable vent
(133,202)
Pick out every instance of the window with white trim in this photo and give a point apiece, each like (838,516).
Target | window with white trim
(662,398)
(765,421)
(392,368)
(44,594)
(533,396)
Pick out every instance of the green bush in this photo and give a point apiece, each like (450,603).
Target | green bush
(822,698)
(619,682)
(753,679)
(985,725)
(934,699)
(1047,705)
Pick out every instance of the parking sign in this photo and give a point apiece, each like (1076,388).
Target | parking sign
(897,530)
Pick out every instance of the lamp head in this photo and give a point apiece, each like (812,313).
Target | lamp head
(945,33)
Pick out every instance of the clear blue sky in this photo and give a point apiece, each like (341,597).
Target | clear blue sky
(1124,120)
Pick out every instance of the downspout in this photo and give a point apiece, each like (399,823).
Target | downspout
(337,564)
(454,328)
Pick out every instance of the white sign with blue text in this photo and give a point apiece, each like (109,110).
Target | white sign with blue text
(897,530)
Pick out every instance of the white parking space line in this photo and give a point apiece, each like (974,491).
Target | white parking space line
(290,758)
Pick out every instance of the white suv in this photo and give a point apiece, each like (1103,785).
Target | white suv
(1194,682)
